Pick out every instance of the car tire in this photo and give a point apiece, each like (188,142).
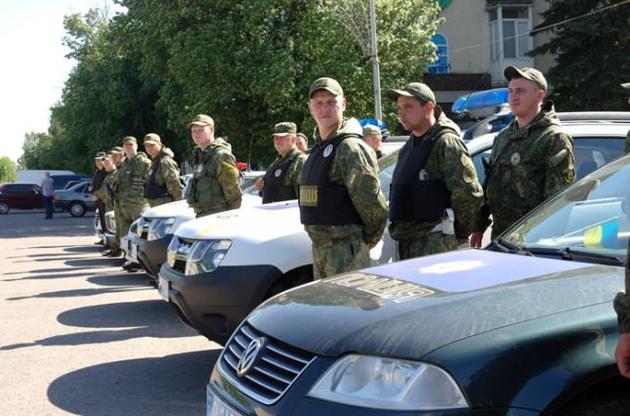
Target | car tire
(595,407)
(77,209)
(4,208)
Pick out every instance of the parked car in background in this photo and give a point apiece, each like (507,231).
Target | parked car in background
(20,196)
(36,175)
(76,200)
(219,267)
(60,181)
(524,328)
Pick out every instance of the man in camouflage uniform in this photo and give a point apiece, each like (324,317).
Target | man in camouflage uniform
(107,193)
(622,302)
(373,137)
(301,142)
(627,146)
(163,184)
(280,182)
(340,198)
(215,184)
(130,179)
(97,183)
(531,159)
(435,194)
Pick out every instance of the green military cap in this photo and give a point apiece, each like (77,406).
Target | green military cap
(327,84)
(99,155)
(129,139)
(626,85)
(285,128)
(413,89)
(302,135)
(530,74)
(152,138)
(371,130)
(116,149)
(201,120)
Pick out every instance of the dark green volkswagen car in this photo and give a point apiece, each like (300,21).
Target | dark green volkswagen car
(524,328)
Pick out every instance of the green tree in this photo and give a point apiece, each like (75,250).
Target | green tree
(7,169)
(591,42)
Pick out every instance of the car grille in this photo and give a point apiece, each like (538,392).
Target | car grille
(179,266)
(276,368)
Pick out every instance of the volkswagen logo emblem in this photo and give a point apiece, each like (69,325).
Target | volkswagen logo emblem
(249,357)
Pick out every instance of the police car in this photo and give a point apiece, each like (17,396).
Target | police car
(523,328)
(150,235)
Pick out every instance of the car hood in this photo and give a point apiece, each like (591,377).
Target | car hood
(411,308)
(172,209)
(249,222)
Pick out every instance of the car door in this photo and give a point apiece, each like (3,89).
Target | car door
(33,197)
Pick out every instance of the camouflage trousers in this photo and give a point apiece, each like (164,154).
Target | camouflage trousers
(154,202)
(125,215)
(339,256)
(427,244)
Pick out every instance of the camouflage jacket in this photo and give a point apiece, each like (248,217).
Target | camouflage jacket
(356,168)
(130,179)
(292,176)
(527,165)
(100,190)
(450,162)
(215,183)
(109,189)
(168,173)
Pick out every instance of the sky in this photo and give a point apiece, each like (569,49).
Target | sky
(33,67)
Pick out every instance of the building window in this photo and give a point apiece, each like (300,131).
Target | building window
(509,31)
(441,65)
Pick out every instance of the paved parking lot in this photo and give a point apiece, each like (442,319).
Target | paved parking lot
(81,336)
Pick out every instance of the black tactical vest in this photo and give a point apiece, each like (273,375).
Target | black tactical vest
(274,189)
(414,196)
(321,201)
(151,189)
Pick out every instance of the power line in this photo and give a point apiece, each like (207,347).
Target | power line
(541,29)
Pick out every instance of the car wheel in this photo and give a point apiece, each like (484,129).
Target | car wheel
(4,208)
(77,209)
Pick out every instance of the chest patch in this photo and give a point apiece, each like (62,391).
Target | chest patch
(328,150)
(515,159)
(277,173)
(423,175)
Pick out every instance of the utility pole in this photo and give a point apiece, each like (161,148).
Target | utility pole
(376,74)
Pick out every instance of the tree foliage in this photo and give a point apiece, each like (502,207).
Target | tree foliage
(247,64)
(591,42)
(8,170)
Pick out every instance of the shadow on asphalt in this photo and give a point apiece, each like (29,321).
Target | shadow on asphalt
(36,256)
(76,292)
(49,276)
(83,249)
(152,319)
(127,279)
(58,270)
(44,259)
(85,263)
(170,385)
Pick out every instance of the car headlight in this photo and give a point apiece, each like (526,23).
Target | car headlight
(160,227)
(387,383)
(206,256)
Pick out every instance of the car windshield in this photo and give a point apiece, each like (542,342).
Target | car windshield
(588,220)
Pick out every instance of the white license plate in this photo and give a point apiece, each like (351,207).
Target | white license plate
(216,406)
(163,287)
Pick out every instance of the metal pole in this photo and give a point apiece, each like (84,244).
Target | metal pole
(376,75)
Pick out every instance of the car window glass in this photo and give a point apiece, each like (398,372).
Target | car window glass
(478,162)
(387,165)
(592,215)
(594,152)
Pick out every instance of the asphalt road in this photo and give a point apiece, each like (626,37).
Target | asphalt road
(81,336)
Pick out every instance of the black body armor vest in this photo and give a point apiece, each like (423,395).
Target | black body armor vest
(413,196)
(321,201)
(274,189)
(151,189)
